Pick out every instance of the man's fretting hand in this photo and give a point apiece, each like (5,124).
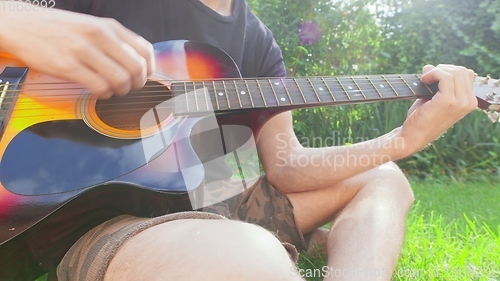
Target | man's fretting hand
(428,119)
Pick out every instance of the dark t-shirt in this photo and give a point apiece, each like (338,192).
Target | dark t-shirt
(242,35)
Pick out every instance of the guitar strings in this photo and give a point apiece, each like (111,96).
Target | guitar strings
(244,81)
(207,106)
(239,85)
(153,94)
(163,88)
(191,107)
(200,111)
(340,84)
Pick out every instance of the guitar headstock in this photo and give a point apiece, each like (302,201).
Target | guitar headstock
(487,91)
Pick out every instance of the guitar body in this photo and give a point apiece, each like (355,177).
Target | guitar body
(69,162)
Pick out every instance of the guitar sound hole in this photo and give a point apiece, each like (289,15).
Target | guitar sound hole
(126,112)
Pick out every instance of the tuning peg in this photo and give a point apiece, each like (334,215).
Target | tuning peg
(497,83)
(494,116)
(486,79)
(493,97)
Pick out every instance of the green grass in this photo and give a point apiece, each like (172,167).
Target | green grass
(453,234)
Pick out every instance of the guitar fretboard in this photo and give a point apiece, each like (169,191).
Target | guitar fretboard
(228,95)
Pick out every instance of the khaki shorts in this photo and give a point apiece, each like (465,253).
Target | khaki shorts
(261,204)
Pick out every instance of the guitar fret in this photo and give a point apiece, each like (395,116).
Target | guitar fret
(261,93)
(300,90)
(390,85)
(207,103)
(342,86)
(328,88)
(319,88)
(427,86)
(215,95)
(225,93)
(314,89)
(195,92)
(237,93)
(187,98)
(374,86)
(357,85)
(409,87)
(190,95)
(249,93)
(274,92)
(287,92)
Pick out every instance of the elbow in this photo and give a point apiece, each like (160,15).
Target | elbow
(283,175)
(281,167)
(281,180)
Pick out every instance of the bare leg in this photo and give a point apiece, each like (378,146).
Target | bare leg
(202,250)
(370,220)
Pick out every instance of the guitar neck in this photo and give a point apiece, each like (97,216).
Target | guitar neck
(291,93)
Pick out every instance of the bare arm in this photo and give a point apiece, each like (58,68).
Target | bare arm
(100,54)
(293,168)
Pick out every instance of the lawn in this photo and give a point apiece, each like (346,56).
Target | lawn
(453,234)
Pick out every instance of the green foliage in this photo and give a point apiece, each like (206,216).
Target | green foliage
(469,150)
(349,41)
(392,36)
(459,32)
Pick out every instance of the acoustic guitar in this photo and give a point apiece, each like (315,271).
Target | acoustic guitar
(69,161)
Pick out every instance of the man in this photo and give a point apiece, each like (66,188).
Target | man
(367,202)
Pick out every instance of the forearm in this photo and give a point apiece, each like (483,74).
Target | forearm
(6,19)
(16,20)
(297,168)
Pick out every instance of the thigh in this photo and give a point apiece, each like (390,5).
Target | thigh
(202,250)
(313,209)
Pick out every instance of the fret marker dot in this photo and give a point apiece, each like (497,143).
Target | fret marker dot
(276,83)
(415,84)
(243,93)
(220,94)
(283,99)
(321,89)
(350,87)
(382,86)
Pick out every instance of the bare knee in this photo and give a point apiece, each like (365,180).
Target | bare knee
(391,186)
(203,250)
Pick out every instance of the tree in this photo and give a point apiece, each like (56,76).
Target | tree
(462,32)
